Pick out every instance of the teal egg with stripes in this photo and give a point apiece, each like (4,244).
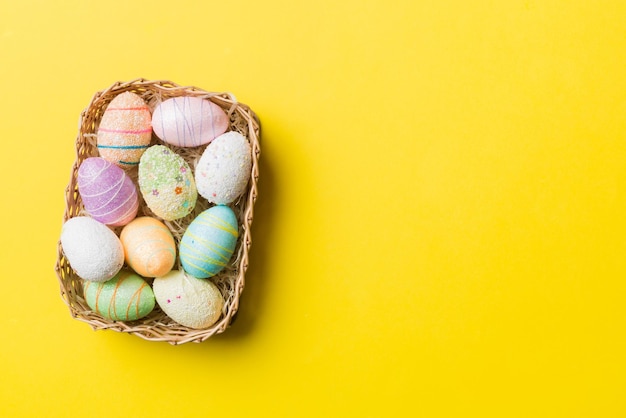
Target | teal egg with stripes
(209,242)
(125,130)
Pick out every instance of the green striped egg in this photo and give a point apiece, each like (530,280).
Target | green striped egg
(209,242)
(126,297)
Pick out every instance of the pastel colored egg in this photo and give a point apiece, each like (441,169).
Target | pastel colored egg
(108,193)
(149,247)
(223,171)
(209,242)
(92,249)
(166,183)
(194,303)
(188,121)
(125,130)
(126,297)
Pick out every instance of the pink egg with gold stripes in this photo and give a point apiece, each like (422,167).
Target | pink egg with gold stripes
(125,130)
(108,193)
(188,121)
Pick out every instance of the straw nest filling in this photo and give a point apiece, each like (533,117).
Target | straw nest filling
(157,326)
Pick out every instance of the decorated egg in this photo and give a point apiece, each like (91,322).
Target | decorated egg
(166,183)
(108,193)
(125,130)
(92,249)
(126,297)
(224,168)
(149,247)
(209,242)
(188,121)
(194,303)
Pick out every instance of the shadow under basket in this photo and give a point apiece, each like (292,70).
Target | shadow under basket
(157,326)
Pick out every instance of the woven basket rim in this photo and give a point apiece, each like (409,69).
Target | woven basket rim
(157,327)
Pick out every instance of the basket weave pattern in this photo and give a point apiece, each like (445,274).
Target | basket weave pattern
(157,326)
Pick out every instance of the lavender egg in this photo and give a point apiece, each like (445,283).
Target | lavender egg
(108,193)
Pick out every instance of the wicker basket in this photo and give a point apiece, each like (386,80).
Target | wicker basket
(157,326)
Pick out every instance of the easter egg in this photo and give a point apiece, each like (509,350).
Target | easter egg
(209,242)
(92,249)
(166,183)
(149,247)
(224,168)
(125,130)
(188,121)
(194,303)
(108,193)
(126,297)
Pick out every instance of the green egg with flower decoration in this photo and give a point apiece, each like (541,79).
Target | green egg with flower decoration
(166,183)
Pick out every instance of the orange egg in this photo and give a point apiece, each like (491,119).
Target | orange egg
(125,130)
(149,247)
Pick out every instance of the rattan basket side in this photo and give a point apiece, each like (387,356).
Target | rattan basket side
(157,326)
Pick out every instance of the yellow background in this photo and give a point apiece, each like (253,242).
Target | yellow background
(440,229)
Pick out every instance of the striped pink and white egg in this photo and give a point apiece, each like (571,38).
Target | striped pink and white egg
(108,193)
(188,121)
(125,130)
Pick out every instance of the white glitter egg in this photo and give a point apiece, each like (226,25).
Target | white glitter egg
(223,171)
(92,249)
(194,303)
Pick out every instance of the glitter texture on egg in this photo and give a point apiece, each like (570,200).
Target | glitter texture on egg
(192,302)
(108,193)
(209,242)
(126,297)
(94,252)
(223,171)
(125,130)
(149,247)
(166,183)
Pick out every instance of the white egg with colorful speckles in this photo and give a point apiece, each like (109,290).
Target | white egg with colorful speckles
(194,303)
(223,171)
